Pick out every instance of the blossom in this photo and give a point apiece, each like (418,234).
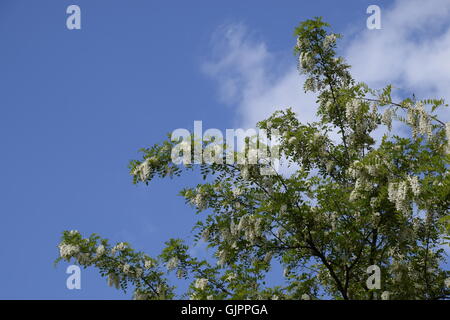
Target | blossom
(199,201)
(119,247)
(100,250)
(140,295)
(68,250)
(113,280)
(143,170)
(201,283)
(447,282)
(387,118)
(172,263)
(148,264)
(385,295)
(414,184)
(126,268)
(306,62)
(305,297)
(329,41)
(139,272)
(231,277)
(222,255)
(237,192)
(352,108)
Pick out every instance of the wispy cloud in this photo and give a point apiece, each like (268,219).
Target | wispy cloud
(412,52)
(249,77)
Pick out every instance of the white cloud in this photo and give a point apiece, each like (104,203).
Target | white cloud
(250,78)
(412,52)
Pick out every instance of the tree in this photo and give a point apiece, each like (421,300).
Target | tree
(352,201)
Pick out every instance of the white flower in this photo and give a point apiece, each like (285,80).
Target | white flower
(447,282)
(352,108)
(100,250)
(119,247)
(199,201)
(140,295)
(113,280)
(172,263)
(201,283)
(221,254)
(237,192)
(143,170)
(414,184)
(68,250)
(231,277)
(385,295)
(148,264)
(275,297)
(305,297)
(139,272)
(126,268)
(329,41)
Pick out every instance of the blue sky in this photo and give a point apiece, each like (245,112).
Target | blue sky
(75,106)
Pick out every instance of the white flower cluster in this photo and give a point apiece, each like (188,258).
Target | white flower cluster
(199,200)
(201,283)
(312,84)
(414,184)
(100,250)
(143,170)
(237,192)
(447,282)
(397,193)
(385,295)
(67,251)
(352,109)
(419,120)
(148,264)
(306,61)
(222,255)
(119,247)
(172,263)
(113,280)
(329,41)
(250,226)
(140,295)
(126,268)
(387,118)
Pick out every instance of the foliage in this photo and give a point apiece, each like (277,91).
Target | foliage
(352,199)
